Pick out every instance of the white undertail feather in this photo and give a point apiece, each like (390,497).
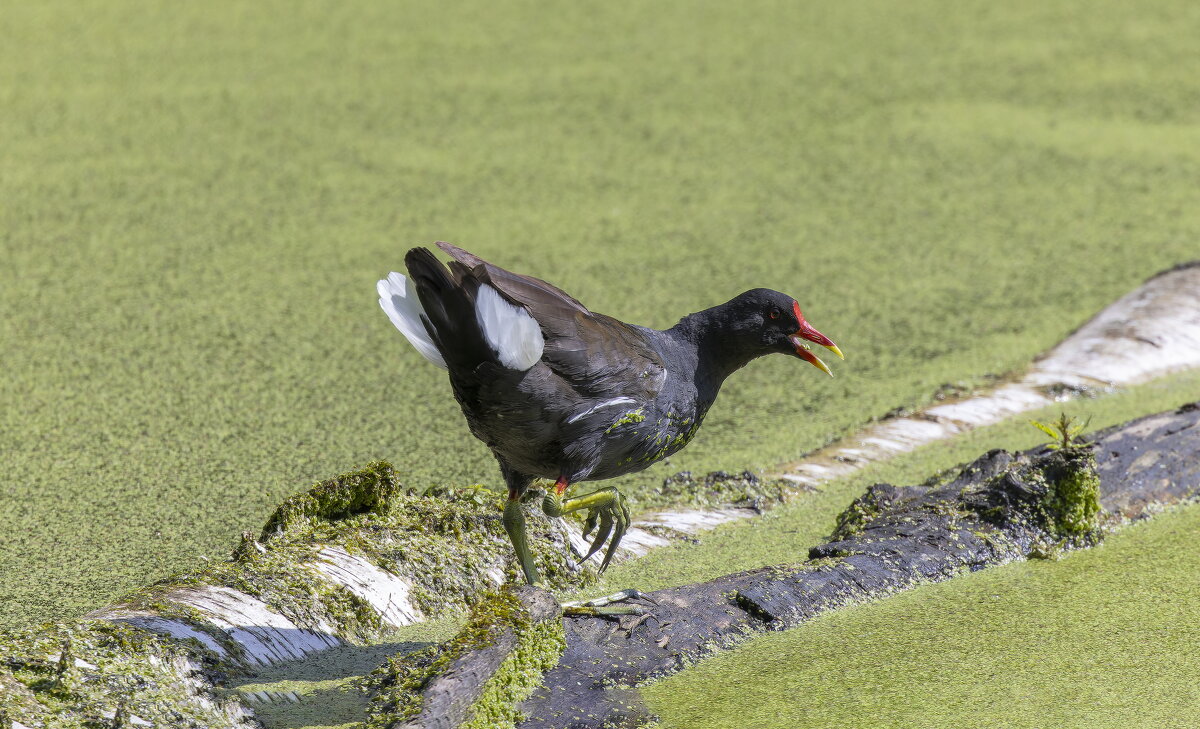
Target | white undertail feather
(510,330)
(404,308)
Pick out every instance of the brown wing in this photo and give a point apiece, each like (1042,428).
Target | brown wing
(596,354)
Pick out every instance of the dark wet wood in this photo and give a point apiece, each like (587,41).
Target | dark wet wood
(992,513)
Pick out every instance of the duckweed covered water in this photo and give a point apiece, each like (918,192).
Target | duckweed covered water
(197,201)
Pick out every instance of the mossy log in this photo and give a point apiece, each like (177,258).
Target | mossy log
(357,554)
(475,681)
(343,562)
(1001,508)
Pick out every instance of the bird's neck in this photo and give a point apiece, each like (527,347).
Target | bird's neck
(718,355)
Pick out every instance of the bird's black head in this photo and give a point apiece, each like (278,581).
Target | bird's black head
(762,321)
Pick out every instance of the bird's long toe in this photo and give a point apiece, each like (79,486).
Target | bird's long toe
(608,514)
(606,527)
(621,519)
(604,606)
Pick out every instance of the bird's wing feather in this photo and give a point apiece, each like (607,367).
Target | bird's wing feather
(598,355)
(509,329)
(515,286)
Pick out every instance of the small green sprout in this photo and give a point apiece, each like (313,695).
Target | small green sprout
(65,661)
(121,715)
(1064,432)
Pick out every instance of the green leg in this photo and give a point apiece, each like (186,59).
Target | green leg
(514,524)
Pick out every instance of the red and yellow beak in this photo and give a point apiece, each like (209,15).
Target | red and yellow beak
(808,333)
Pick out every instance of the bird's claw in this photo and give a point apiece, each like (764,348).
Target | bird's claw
(614,519)
(606,525)
(608,514)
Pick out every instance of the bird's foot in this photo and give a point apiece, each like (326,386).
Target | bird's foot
(607,510)
(602,606)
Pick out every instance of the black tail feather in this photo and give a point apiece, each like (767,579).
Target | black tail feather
(450,311)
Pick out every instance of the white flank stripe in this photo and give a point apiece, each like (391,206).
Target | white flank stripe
(513,334)
(605,404)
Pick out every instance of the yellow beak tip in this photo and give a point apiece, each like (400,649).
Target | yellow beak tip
(834,348)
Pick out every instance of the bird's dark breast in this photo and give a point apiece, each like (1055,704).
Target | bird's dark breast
(639,436)
(541,427)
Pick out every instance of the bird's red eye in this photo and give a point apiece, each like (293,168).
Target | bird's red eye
(773,313)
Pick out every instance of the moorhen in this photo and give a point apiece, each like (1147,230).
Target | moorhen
(560,392)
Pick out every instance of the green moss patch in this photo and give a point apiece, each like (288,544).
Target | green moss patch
(446,542)
(398,685)
(538,650)
(368,490)
(1074,499)
(1057,491)
(85,675)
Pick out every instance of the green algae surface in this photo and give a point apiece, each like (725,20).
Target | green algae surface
(196,201)
(1103,638)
